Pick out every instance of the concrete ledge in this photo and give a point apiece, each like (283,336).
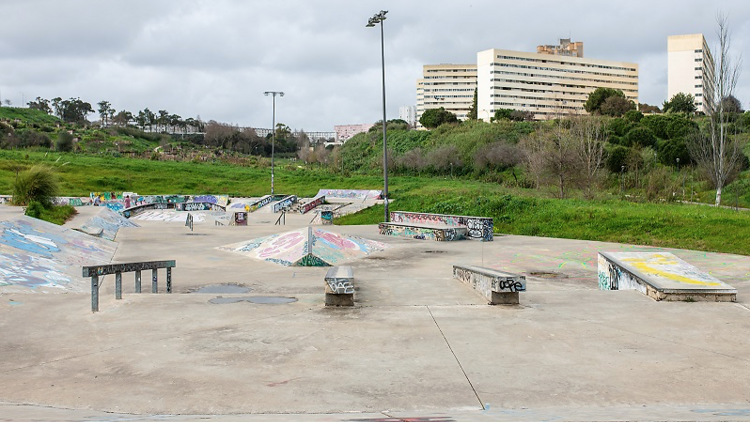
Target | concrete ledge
(435,232)
(339,286)
(660,276)
(499,287)
(480,228)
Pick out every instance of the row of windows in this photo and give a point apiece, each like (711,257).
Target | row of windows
(584,87)
(597,66)
(551,69)
(556,107)
(526,97)
(468,77)
(451,70)
(571,78)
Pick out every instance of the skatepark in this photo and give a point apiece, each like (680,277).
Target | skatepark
(241,338)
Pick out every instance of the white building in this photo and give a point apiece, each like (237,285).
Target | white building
(546,85)
(408,114)
(450,86)
(690,69)
(344,132)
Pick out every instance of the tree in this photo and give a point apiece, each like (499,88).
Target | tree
(588,135)
(502,114)
(104,109)
(680,103)
(718,153)
(551,154)
(596,99)
(648,109)
(732,105)
(435,117)
(616,106)
(40,104)
(72,110)
(473,110)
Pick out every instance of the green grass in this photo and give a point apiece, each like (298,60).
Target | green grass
(515,211)
(28,116)
(58,214)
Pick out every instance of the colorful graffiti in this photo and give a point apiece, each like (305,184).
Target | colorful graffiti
(109,222)
(660,270)
(440,234)
(478,227)
(34,253)
(310,205)
(326,218)
(260,203)
(284,203)
(306,247)
(198,206)
(351,194)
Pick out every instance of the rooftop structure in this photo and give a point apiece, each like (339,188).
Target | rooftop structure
(566,48)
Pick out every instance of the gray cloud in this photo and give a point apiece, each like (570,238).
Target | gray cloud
(215,58)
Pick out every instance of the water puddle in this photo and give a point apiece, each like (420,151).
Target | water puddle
(265,300)
(223,288)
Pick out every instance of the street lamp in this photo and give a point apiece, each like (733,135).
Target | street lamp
(273,130)
(379,18)
(622,180)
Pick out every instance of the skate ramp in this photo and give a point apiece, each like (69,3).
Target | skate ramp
(106,223)
(306,247)
(37,256)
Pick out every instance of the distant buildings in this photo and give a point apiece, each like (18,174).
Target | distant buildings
(690,69)
(344,132)
(566,48)
(450,86)
(408,114)
(546,85)
(555,80)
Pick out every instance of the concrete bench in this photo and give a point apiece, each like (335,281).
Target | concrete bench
(340,286)
(500,288)
(437,232)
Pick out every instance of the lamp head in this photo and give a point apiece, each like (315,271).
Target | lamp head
(370,23)
(281,94)
(266,93)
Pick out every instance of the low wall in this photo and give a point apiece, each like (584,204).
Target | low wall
(440,234)
(351,193)
(198,206)
(261,202)
(478,227)
(284,203)
(308,206)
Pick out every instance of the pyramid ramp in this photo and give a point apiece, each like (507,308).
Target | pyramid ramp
(306,247)
(106,223)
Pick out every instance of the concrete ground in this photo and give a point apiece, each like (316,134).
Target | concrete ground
(417,346)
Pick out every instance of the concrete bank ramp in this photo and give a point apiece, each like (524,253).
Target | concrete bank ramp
(306,247)
(37,256)
(661,276)
(106,223)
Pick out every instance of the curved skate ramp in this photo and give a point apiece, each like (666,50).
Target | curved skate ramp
(37,256)
(106,223)
(306,247)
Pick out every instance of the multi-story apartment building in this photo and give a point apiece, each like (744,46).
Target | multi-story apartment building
(690,69)
(546,85)
(450,86)
(344,132)
(566,48)
(408,114)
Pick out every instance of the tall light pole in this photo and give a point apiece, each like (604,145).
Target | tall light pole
(379,18)
(273,129)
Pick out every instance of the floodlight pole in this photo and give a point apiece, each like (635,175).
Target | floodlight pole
(379,18)
(273,131)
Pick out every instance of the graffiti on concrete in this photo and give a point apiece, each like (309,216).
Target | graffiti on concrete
(487,280)
(310,205)
(340,286)
(351,194)
(440,234)
(478,227)
(326,217)
(91,270)
(108,221)
(261,203)
(286,202)
(198,206)
(306,247)
(30,271)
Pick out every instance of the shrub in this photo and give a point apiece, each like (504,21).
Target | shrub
(640,135)
(64,142)
(616,158)
(38,184)
(35,209)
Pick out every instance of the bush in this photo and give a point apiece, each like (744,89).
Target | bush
(672,149)
(64,142)
(616,158)
(639,135)
(634,116)
(34,209)
(38,184)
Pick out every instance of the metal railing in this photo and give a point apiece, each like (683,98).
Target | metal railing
(94,271)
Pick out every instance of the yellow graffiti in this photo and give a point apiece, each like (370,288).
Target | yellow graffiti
(661,260)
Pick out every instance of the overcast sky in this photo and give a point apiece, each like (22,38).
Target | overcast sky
(215,58)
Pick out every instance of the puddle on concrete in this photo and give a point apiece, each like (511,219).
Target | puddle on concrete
(223,288)
(435,251)
(265,300)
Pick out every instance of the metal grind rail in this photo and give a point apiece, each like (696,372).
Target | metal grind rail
(94,271)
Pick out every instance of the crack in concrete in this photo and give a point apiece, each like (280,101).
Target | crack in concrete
(456,357)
